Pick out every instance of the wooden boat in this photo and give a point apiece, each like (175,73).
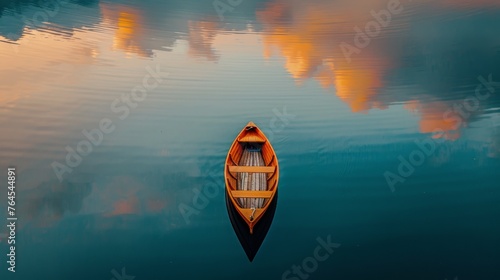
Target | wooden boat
(251,174)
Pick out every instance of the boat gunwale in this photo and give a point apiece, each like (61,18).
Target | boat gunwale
(274,162)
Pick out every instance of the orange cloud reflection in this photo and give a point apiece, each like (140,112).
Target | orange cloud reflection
(130,32)
(433,119)
(308,36)
(201,37)
(309,46)
(124,207)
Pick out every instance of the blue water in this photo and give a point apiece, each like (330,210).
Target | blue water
(389,150)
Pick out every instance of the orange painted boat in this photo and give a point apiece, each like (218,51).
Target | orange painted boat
(251,174)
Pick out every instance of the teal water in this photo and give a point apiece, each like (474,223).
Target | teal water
(148,197)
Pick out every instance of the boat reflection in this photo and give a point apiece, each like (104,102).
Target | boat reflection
(251,242)
(251,173)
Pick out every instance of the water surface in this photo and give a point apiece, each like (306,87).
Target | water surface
(343,115)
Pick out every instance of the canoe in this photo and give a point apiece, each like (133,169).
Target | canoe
(251,174)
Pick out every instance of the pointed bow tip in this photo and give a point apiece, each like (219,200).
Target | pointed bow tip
(251,124)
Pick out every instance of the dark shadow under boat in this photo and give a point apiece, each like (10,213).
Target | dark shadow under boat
(251,242)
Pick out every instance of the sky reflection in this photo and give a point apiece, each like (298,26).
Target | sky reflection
(84,43)
(310,35)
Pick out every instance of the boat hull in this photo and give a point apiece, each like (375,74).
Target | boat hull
(251,242)
(251,174)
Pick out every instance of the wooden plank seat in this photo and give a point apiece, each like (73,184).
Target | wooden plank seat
(252,194)
(252,169)
(251,137)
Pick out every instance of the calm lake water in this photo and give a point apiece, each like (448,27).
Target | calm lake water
(385,117)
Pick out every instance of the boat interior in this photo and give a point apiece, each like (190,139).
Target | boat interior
(252,170)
